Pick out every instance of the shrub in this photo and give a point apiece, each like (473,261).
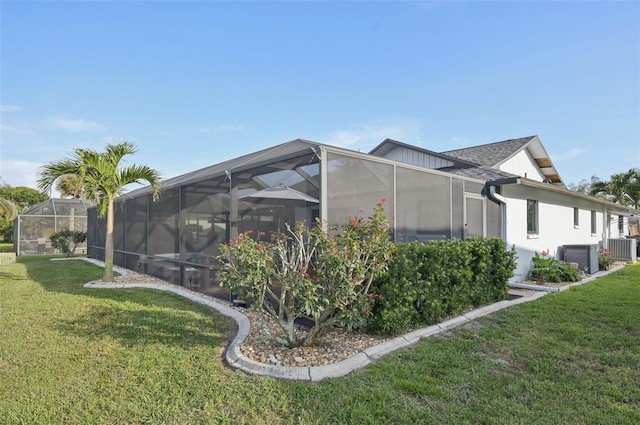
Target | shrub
(425,283)
(550,269)
(322,275)
(605,259)
(67,240)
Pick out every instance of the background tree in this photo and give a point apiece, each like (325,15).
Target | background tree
(584,185)
(70,185)
(14,200)
(103,179)
(24,197)
(8,213)
(622,188)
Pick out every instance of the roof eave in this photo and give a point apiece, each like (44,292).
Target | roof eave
(546,186)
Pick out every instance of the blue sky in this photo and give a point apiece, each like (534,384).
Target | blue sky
(196,83)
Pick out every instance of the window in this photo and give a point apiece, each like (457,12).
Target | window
(532,217)
(621,225)
(576,217)
(593,222)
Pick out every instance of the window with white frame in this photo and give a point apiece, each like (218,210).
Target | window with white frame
(576,217)
(593,223)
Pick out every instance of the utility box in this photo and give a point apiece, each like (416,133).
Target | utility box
(585,255)
(623,249)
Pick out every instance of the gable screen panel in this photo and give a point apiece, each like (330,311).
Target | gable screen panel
(355,186)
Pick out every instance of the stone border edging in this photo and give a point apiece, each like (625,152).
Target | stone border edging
(236,359)
(565,287)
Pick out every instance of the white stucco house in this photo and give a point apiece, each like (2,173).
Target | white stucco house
(538,213)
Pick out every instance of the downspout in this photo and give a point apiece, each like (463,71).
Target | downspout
(606,227)
(500,200)
(324,192)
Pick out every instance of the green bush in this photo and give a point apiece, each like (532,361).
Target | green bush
(425,283)
(67,240)
(550,269)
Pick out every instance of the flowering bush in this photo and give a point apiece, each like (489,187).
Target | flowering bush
(320,272)
(605,259)
(550,269)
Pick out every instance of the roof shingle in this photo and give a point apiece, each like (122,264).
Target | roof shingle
(492,154)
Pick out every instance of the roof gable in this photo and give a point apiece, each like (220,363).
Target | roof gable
(497,156)
(395,150)
(491,154)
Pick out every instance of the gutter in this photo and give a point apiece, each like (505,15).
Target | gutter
(556,189)
(500,200)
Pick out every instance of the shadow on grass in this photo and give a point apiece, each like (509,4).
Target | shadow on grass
(132,316)
(133,324)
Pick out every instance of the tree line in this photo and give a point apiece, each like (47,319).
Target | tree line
(621,188)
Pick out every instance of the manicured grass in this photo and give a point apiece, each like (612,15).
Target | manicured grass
(6,247)
(71,355)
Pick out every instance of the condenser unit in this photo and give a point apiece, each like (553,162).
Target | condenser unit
(585,255)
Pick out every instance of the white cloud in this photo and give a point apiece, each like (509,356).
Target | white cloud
(22,173)
(15,130)
(570,154)
(366,137)
(19,173)
(75,126)
(10,108)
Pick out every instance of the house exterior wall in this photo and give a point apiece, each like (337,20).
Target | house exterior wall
(620,227)
(522,165)
(555,224)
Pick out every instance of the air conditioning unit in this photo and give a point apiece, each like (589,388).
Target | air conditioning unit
(585,255)
(622,249)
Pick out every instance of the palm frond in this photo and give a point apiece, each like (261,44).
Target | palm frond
(8,209)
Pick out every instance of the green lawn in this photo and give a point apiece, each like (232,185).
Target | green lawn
(6,247)
(70,355)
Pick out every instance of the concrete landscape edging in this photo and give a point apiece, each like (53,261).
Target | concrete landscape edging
(235,358)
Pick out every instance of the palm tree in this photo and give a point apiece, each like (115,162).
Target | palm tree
(8,209)
(70,185)
(633,189)
(623,188)
(8,212)
(103,180)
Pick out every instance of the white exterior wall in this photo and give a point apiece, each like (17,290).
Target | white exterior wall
(555,224)
(521,164)
(614,230)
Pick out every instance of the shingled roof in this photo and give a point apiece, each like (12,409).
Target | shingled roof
(492,154)
(479,162)
(479,172)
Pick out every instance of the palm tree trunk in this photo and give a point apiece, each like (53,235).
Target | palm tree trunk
(108,246)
